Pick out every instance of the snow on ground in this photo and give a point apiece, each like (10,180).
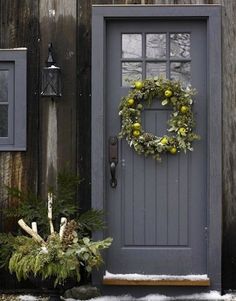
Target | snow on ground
(213,295)
(154,277)
(27,298)
(30,298)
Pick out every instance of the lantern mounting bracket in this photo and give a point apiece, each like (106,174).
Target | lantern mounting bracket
(50,61)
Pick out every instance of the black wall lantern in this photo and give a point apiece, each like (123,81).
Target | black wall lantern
(51,77)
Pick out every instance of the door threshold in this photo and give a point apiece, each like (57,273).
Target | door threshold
(155,280)
(163,282)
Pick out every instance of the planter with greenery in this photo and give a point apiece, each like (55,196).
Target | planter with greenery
(46,253)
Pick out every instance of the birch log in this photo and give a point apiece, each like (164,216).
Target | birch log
(50,201)
(28,230)
(62,227)
(34,227)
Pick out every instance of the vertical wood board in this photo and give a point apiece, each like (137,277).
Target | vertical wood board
(58,115)
(84,101)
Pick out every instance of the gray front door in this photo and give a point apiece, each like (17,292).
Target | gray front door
(157,214)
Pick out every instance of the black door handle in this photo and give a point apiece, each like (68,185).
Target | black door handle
(113,180)
(113,159)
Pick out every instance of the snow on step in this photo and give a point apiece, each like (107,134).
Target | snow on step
(155,277)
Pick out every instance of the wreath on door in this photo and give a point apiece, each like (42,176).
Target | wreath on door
(181,122)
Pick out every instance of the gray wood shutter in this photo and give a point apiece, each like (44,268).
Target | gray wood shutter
(13,99)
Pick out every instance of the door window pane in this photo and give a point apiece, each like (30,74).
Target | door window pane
(180,45)
(156,45)
(131,45)
(131,71)
(3,120)
(3,86)
(155,69)
(181,71)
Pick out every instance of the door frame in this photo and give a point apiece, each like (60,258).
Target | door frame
(212,15)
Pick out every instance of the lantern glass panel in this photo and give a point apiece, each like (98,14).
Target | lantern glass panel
(51,81)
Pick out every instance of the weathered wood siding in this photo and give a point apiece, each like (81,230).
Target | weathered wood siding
(59,131)
(58,116)
(19,28)
(229,142)
(84,101)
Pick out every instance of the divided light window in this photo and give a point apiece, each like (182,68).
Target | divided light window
(146,55)
(13,99)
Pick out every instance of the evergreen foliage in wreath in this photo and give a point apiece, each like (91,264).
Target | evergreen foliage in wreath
(181,122)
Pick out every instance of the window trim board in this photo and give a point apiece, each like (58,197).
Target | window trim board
(17,140)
